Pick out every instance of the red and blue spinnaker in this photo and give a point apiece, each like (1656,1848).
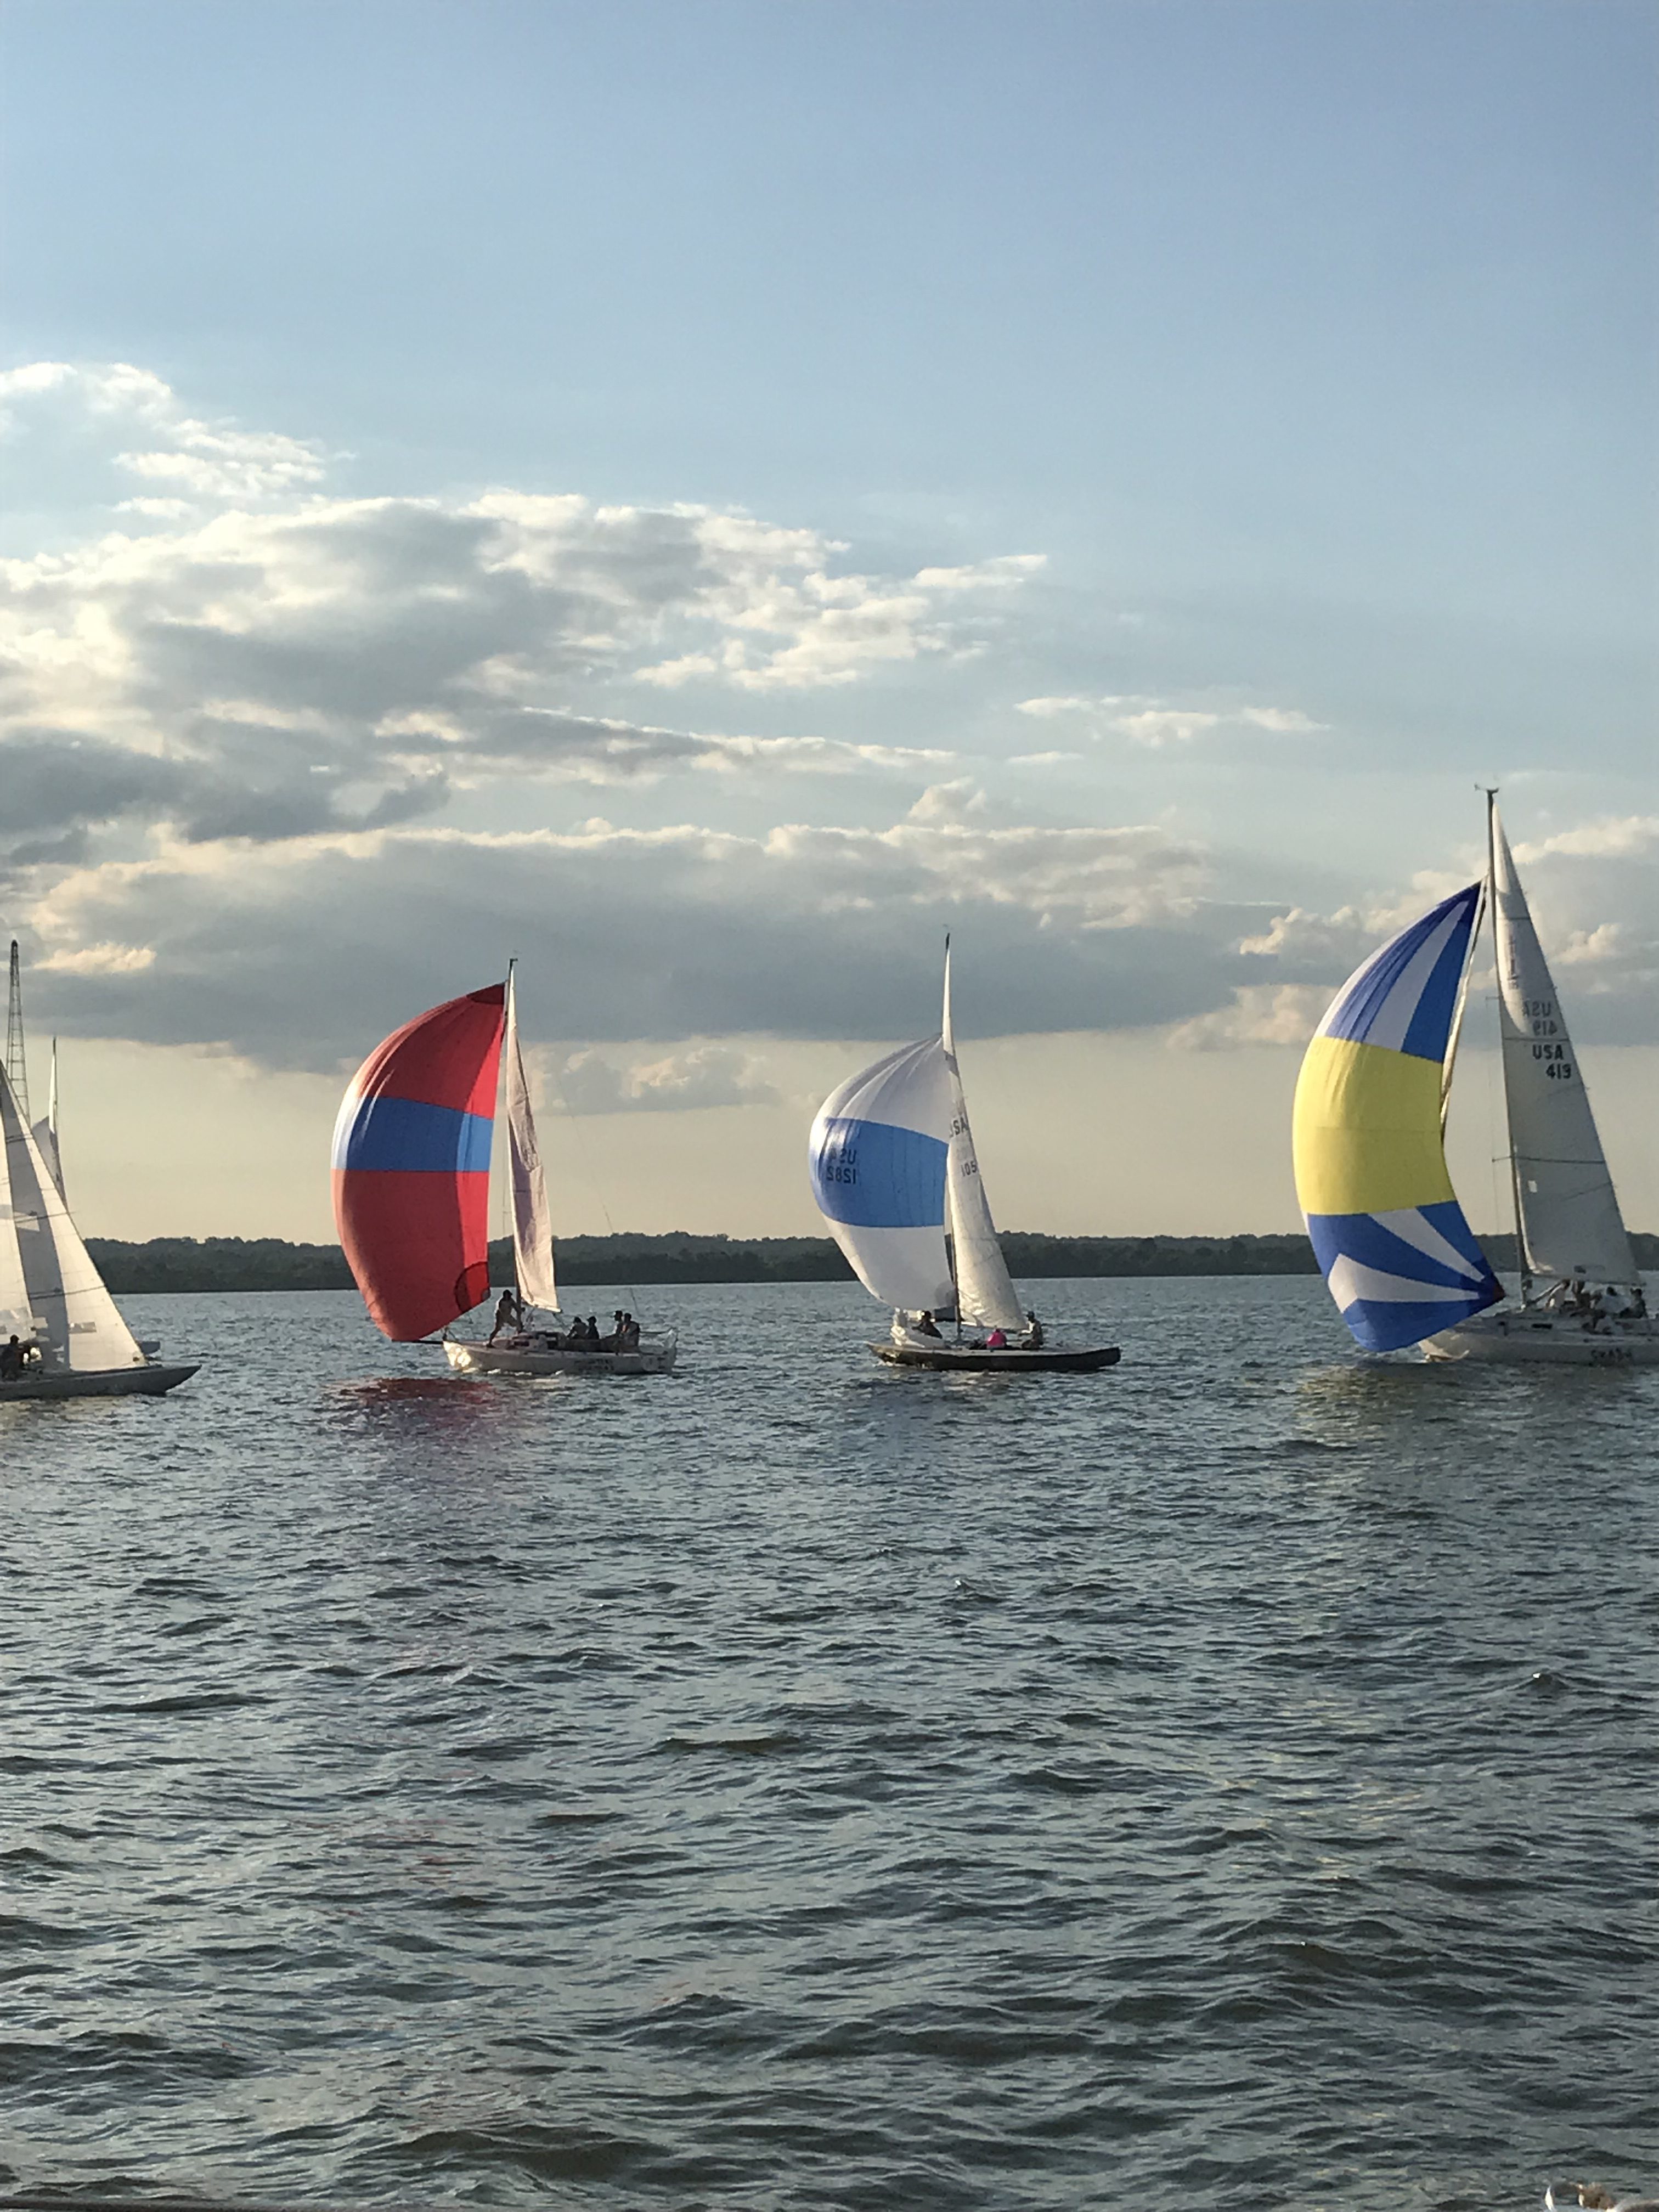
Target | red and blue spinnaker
(412,1166)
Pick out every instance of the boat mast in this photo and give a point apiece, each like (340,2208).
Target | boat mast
(947,1038)
(17,1069)
(1486,897)
(1521,1259)
(510,1044)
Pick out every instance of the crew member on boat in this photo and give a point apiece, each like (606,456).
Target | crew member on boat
(508,1314)
(1032,1340)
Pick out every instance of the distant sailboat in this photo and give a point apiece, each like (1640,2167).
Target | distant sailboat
(894,1171)
(70,1334)
(1397,1253)
(412,1147)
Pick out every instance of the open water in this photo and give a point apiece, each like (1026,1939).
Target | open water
(1231,1779)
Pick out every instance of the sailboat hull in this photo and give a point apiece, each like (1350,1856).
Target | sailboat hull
(150,1382)
(1084,1360)
(1547,1339)
(655,1355)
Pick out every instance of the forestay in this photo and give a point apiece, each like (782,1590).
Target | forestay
(1568,1211)
(532,1220)
(67,1304)
(877,1158)
(985,1291)
(1397,1254)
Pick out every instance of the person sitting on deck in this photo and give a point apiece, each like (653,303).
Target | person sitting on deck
(1032,1340)
(925,1325)
(997,1340)
(630,1334)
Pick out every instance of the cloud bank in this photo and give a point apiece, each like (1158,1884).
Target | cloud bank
(252,726)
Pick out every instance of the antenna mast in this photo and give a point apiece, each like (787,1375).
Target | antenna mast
(17,1070)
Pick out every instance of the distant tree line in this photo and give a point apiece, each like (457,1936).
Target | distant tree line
(267,1263)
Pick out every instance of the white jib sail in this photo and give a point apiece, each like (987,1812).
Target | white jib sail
(46,1130)
(82,1326)
(533,1221)
(877,1158)
(1568,1214)
(16,1313)
(985,1291)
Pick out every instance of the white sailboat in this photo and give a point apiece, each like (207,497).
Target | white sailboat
(53,1299)
(894,1171)
(538,1346)
(1583,1302)
(1396,1251)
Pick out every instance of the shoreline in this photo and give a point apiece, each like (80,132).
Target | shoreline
(184,1264)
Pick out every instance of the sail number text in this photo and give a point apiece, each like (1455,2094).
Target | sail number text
(1556,1065)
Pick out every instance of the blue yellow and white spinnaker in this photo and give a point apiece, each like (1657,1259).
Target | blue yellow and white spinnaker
(1398,1256)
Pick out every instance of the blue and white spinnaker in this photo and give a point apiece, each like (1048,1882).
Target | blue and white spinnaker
(877,1156)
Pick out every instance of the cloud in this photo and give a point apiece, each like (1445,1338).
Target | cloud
(251,656)
(1260,1014)
(1626,837)
(211,462)
(1158,722)
(302,953)
(707,1075)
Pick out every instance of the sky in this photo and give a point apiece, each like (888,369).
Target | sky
(707,498)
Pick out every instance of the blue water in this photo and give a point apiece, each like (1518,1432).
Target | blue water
(1232,1779)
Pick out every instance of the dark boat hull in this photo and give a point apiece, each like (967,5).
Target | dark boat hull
(149,1382)
(1058,1359)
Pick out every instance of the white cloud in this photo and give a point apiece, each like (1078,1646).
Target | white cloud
(99,959)
(707,1075)
(1624,837)
(212,462)
(1157,722)
(1261,1013)
(379,656)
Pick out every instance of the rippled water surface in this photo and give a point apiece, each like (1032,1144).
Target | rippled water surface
(1233,1778)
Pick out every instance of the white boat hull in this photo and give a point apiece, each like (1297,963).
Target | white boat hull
(1548,1339)
(151,1381)
(515,1356)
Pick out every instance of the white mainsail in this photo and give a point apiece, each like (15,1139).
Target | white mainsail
(16,1313)
(985,1291)
(1566,1210)
(82,1324)
(532,1221)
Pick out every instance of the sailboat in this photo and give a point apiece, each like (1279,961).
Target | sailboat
(74,1341)
(412,1146)
(1397,1253)
(894,1171)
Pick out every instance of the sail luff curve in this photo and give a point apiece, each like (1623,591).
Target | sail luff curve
(1398,1258)
(532,1218)
(411,1165)
(1567,1210)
